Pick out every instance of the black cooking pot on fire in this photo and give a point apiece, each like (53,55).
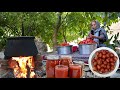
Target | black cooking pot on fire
(20,46)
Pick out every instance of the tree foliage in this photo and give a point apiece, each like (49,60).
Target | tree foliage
(73,25)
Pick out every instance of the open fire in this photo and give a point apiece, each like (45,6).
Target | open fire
(23,67)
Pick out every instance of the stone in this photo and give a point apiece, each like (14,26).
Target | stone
(41,46)
(2,55)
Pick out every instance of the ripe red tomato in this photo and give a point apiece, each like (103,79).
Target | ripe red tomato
(105,62)
(111,54)
(64,44)
(112,67)
(108,66)
(102,65)
(106,70)
(103,56)
(115,58)
(107,55)
(98,67)
(108,60)
(95,68)
(87,41)
(99,62)
(100,55)
(95,63)
(112,64)
(111,60)
(103,52)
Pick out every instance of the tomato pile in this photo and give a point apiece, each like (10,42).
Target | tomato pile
(87,41)
(64,44)
(104,61)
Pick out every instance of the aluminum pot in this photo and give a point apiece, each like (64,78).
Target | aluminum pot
(64,49)
(87,48)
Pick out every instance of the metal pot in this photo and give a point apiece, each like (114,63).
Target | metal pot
(20,46)
(87,48)
(64,49)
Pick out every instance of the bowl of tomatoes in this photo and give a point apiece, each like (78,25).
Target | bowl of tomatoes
(64,48)
(103,62)
(87,46)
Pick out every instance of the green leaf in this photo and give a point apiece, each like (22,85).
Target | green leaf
(111,37)
(42,24)
(117,34)
(115,37)
(118,42)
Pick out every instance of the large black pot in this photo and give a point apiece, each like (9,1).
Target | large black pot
(20,46)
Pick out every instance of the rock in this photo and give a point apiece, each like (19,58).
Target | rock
(41,46)
(2,54)
(3,62)
(38,64)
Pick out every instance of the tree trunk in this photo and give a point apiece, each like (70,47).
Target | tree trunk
(57,26)
(64,36)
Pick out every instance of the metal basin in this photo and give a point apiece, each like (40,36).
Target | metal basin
(87,48)
(64,49)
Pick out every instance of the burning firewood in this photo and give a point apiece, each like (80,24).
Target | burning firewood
(13,63)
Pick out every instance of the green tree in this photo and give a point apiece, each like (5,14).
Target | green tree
(52,27)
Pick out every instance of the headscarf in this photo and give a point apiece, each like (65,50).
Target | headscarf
(97,24)
(96,31)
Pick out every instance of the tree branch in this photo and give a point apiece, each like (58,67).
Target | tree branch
(64,18)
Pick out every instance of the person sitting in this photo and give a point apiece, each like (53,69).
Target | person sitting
(98,34)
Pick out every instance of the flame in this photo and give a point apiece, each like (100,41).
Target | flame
(32,74)
(25,66)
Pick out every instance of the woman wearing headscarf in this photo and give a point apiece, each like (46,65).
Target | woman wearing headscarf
(98,34)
